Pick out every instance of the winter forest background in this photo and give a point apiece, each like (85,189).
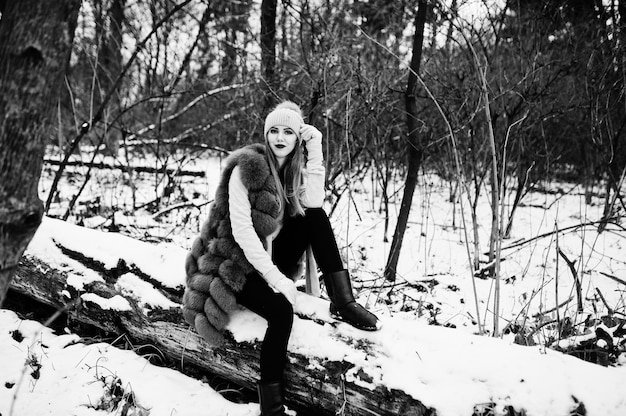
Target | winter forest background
(475,169)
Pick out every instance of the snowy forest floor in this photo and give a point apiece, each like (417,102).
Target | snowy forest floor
(540,305)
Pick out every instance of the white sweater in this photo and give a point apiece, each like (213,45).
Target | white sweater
(257,252)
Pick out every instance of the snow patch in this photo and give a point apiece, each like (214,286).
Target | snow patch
(116,303)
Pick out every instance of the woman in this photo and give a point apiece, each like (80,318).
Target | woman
(266,212)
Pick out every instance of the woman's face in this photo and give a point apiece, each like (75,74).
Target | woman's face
(282,141)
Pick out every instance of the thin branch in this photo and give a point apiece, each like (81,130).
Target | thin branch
(572,267)
(560,230)
(617,279)
(188,107)
(87,126)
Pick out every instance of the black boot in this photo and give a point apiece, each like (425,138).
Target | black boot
(271,398)
(342,303)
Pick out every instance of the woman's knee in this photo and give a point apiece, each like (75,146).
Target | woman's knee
(316,218)
(315,213)
(281,312)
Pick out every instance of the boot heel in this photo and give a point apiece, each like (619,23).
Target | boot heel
(271,398)
(343,305)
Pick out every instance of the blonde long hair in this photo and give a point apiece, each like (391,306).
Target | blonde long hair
(288,179)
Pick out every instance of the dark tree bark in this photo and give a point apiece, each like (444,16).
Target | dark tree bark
(35,44)
(112,48)
(110,64)
(415,150)
(268,48)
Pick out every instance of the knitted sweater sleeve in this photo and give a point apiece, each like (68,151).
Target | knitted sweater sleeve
(313,193)
(240,213)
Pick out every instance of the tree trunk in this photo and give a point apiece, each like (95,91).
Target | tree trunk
(35,45)
(268,48)
(495,242)
(318,381)
(414,148)
(110,66)
(523,170)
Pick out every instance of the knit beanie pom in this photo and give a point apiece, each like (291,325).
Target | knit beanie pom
(286,114)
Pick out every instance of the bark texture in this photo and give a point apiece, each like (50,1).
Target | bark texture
(268,49)
(35,44)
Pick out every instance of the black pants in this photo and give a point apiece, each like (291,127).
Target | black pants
(296,235)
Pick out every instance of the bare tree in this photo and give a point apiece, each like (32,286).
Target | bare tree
(35,45)
(415,151)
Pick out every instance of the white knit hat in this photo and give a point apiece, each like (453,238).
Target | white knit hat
(286,114)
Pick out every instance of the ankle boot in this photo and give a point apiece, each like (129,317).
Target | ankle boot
(271,398)
(342,303)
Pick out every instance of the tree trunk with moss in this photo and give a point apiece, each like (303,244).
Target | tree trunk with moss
(35,44)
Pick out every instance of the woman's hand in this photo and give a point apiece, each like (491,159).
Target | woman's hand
(310,133)
(288,288)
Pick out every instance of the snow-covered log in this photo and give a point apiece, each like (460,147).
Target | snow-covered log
(125,286)
(92,275)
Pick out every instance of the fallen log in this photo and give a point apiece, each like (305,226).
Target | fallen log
(127,287)
(91,289)
(127,168)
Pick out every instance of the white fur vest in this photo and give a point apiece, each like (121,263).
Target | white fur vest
(216,266)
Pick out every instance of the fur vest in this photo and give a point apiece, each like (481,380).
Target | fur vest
(216,266)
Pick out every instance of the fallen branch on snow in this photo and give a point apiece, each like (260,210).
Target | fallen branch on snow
(125,168)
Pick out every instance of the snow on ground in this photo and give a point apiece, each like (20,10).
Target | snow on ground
(427,362)
(453,368)
(432,362)
(45,374)
(446,369)
(434,278)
